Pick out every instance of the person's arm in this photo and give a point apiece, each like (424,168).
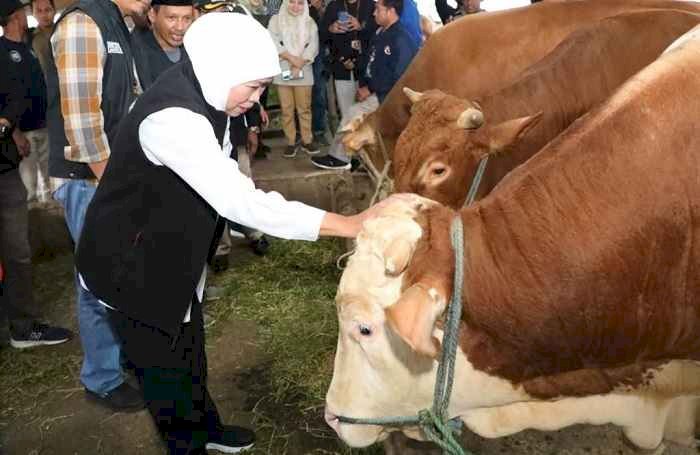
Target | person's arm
(311,50)
(198,159)
(79,54)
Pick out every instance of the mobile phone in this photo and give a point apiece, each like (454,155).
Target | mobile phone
(286,75)
(344,17)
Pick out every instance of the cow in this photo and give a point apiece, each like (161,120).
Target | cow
(481,53)
(581,284)
(440,150)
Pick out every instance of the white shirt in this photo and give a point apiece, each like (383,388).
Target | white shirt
(185,142)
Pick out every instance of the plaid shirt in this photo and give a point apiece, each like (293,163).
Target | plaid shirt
(79,53)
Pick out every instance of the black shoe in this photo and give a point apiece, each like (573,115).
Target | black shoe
(329,162)
(38,334)
(290,151)
(259,154)
(265,148)
(260,246)
(231,439)
(219,263)
(122,399)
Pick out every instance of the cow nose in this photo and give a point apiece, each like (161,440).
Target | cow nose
(332,420)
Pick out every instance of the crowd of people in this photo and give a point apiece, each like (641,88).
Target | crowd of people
(147,129)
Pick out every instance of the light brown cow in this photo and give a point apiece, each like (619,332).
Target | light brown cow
(581,297)
(481,53)
(439,157)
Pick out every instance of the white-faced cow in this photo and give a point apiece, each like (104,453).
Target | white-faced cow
(481,53)
(581,284)
(438,152)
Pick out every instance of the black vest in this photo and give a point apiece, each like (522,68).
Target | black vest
(147,233)
(151,60)
(118,85)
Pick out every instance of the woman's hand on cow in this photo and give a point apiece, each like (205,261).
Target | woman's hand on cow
(337,225)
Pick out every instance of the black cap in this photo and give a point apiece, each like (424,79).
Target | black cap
(170,2)
(7,7)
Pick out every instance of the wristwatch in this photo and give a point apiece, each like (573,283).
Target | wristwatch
(254,129)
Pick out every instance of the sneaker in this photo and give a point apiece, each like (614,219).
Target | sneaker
(122,399)
(329,162)
(290,151)
(260,245)
(38,334)
(320,139)
(231,439)
(311,148)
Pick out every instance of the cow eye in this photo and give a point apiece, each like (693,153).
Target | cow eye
(439,171)
(365,330)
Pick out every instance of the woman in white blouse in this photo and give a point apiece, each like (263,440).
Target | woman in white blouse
(296,36)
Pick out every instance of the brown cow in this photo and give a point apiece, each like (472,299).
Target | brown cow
(481,53)
(439,157)
(581,297)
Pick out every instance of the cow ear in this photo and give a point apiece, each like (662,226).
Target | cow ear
(397,255)
(413,317)
(504,135)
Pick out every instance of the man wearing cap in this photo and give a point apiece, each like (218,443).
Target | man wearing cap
(21,82)
(148,230)
(158,48)
(91,84)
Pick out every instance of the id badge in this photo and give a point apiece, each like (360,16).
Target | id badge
(356,44)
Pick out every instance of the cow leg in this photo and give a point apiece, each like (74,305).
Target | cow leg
(642,418)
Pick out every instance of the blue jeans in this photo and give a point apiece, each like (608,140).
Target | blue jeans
(101,371)
(319,99)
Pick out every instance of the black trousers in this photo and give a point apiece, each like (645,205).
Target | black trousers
(172,372)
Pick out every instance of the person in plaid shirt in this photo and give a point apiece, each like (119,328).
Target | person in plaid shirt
(91,83)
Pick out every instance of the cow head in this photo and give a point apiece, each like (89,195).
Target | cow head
(370,342)
(392,291)
(437,154)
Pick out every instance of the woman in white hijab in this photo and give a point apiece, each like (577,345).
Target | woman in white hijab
(296,36)
(169,181)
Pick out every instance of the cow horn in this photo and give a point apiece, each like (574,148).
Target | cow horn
(412,95)
(470,119)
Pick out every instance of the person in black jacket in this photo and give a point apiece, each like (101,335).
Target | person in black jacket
(347,27)
(159,47)
(16,83)
(390,52)
(147,231)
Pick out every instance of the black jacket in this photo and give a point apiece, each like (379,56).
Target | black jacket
(390,53)
(151,60)
(147,233)
(341,44)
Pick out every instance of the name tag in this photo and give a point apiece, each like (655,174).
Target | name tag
(114,48)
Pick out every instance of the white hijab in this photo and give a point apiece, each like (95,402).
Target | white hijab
(294,29)
(229,49)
